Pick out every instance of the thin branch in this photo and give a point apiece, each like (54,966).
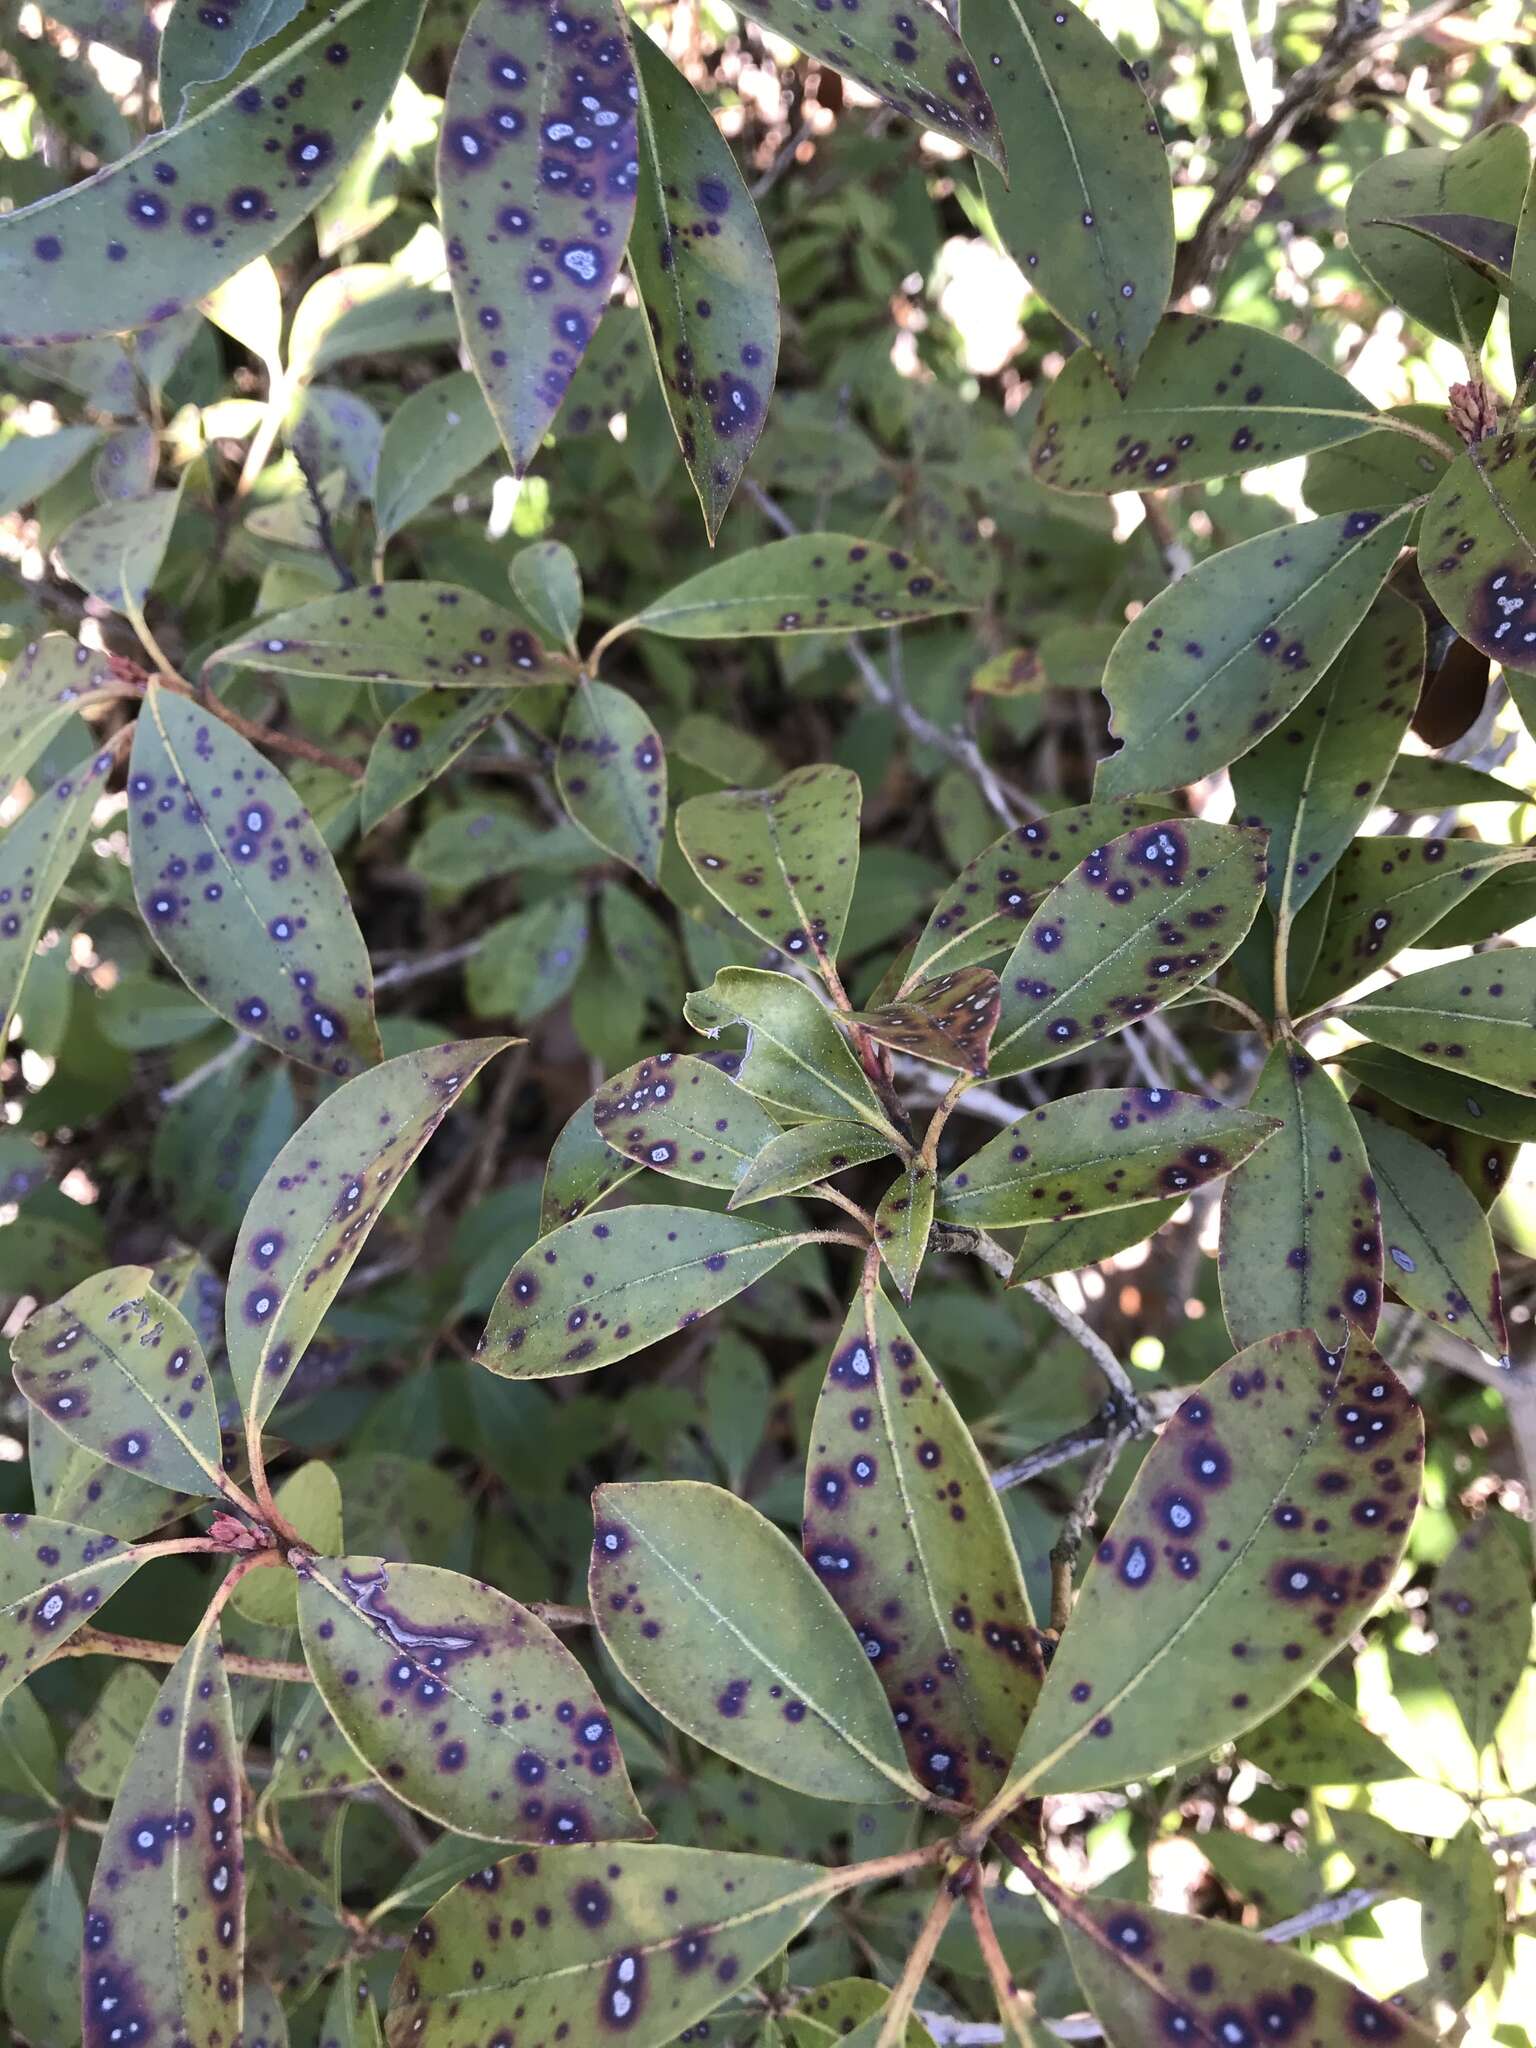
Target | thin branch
(1064,1551)
(407,971)
(325,533)
(92,1642)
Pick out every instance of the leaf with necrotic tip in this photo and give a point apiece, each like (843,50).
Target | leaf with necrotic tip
(807,1153)
(439,434)
(1313,780)
(53,1577)
(580,1170)
(463,1703)
(1476,1017)
(114,551)
(638,1943)
(165,1921)
(1260,1530)
(612,775)
(239,890)
(814,583)
(706,277)
(431,635)
(1211,398)
(1481,1607)
(537,169)
(1088,212)
(36,856)
(682,1117)
(903,1221)
(419,742)
(1434,1093)
(904,1529)
(1078,1241)
(133,245)
(796,1057)
(1144,918)
(41,1984)
(1300,1224)
(709,1612)
(598,1289)
(318,1200)
(783,860)
(120,1370)
(1477,551)
(1218,658)
(949,1019)
(1439,1250)
(1104,1149)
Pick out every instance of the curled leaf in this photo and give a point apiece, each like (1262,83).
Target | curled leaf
(949,1019)
(796,1057)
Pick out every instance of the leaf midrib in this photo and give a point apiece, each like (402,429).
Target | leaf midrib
(1228,1128)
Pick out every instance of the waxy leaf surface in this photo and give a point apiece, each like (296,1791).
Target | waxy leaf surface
(633,1943)
(597,1289)
(814,583)
(1087,212)
(580,1170)
(165,1920)
(1077,1241)
(318,1201)
(1144,918)
(239,891)
(53,1577)
(1444,1097)
(1218,658)
(1477,551)
(903,1221)
(114,551)
(1103,1149)
(132,245)
(1258,1533)
(537,168)
(796,1057)
(431,635)
(949,1019)
(1481,1609)
(784,859)
(705,275)
(70,1483)
(45,685)
(682,1117)
(440,433)
(463,1703)
(36,855)
(612,775)
(119,1370)
(1476,1017)
(807,1153)
(709,1612)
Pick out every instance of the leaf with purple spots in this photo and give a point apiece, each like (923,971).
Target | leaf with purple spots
(905,1531)
(807,1153)
(948,1019)
(706,279)
(796,1058)
(595,1290)
(1440,1255)
(311,1758)
(119,1370)
(1143,919)
(1476,1017)
(528,962)
(712,1615)
(833,2015)
(1103,1149)
(1485,246)
(547,579)
(1261,1529)
(36,855)
(351,2018)
(637,1944)
(1476,551)
(682,1117)
(1474,1106)
(537,169)
(580,1170)
(439,434)
(318,1201)
(239,891)
(1481,1609)
(430,635)
(1215,660)
(463,1703)
(1315,1741)
(165,1921)
(148,235)
(53,1577)
(903,1222)
(1078,1241)
(41,1984)
(201,45)
(612,775)
(31,464)
(421,741)
(101,1748)
(814,583)
(126,466)
(783,860)
(70,1483)
(1211,398)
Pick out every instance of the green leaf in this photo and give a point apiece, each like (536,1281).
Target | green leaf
(796,1057)
(439,434)
(101,1748)
(197,48)
(1104,1149)
(31,464)
(1439,1249)
(829,2015)
(422,739)
(123,250)
(1087,213)
(239,891)
(310,1502)
(711,1614)
(949,1019)
(314,1758)
(1481,1607)
(351,2017)
(529,961)
(904,1529)
(53,1577)
(29,1757)
(682,1117)
(903,1221)
(36,856)
(464,1703)
(1211,398)
(1078,1241)
(114,551)
(705,276)
(1313,781)
(1383,467)
(643,1941)
(1477,552)
(1462,1928)
(1476,1017)
(1300,1226)
(49,681)
(266,2024)
(1432,1092)
(1522,288)
(1215,660)
(580,1170)
(165,1921)
(430,635)
(1487,175)
(612,775)
(1144,918)
(1428,782)
(783,860)
(319,1199)
(537,193)
(807,1153)
(69,1483)
(249,306)
(42,1962)
(1315,1741)
(120,1370)
(1486,246)
(814,583)
(547,579)
(1238,1595)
